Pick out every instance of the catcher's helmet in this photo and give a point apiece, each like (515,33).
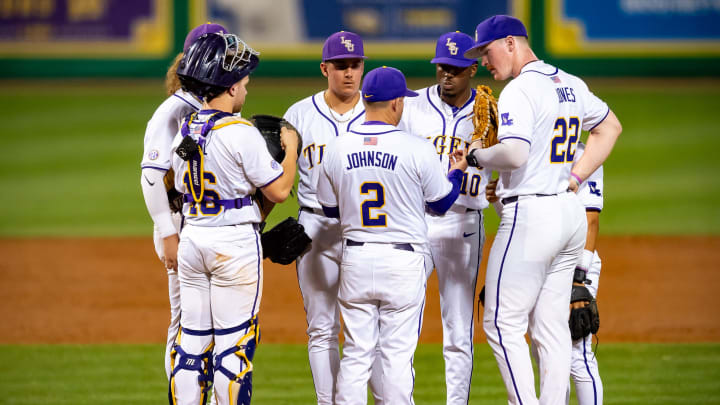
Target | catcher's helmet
(214,63)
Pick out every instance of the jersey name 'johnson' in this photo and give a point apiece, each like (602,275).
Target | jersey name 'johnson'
(371,159)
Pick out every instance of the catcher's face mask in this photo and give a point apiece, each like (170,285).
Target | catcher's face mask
(238,54)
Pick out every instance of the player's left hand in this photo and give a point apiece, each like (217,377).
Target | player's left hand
(573,185)
(170,249)
(458,161)
(584,317)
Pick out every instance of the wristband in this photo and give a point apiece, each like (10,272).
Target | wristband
(579,276)
(471,159)
(577,178)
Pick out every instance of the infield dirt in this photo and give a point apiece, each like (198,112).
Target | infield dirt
(652,289)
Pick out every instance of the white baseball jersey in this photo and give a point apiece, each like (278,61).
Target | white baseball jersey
(318,126)
(384,177)
(448,129)
(590,191)
(547,108)
(237,162)
(159,134)
(163,126)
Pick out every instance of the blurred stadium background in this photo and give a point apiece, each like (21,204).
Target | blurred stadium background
(80,78)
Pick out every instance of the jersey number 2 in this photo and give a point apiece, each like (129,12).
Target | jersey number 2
(378,202)
(560,152)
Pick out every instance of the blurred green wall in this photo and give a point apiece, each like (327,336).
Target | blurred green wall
(630,65)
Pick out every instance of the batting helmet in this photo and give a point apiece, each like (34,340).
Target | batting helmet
(214,62)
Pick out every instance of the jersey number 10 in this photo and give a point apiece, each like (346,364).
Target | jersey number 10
(562,149)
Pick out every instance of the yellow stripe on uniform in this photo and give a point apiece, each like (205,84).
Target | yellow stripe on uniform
(241,121)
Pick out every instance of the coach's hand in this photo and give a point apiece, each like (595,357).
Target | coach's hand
(458,160)
(170,250)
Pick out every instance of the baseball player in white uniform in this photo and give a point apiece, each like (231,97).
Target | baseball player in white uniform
(219,160)
(160,131)
(378,180)
(443,114)
(320,119)
(542,230)
(584,367)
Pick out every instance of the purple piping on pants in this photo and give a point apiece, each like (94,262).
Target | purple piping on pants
(587,367)
(497,304)
(259,263)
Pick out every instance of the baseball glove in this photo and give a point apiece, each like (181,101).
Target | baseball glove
(586,320)
(269,127)
(285,242)
(175,198)
(485,117)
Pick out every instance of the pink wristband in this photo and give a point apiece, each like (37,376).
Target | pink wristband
(579,180)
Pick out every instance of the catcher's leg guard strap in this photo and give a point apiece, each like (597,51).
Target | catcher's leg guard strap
(240,386)
(200,363)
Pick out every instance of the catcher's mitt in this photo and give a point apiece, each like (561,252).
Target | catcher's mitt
(285,242)
(586,320)
(269,127)
(485,117)
(175,198)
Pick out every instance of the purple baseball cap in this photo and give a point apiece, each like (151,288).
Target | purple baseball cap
(451,47)
(385,83)
(200,30)
(496,27)
(343,45)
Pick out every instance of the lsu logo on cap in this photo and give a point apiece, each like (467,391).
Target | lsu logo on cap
(452,47)
(348,44)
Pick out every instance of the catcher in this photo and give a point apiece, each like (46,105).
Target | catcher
(287,240)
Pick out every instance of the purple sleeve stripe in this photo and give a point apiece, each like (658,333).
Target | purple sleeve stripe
(593,209)
(162,169)
(278,176)
(442,205)
(515,137)
(603,119)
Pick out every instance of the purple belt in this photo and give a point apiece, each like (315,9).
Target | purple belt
(227,204)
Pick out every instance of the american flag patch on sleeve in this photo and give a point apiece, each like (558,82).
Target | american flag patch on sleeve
(555,79)
(370,140)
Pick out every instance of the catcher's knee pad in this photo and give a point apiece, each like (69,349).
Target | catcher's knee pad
(202,363)
(240,385)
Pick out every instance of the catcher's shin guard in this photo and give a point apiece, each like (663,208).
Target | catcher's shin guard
(184,388)
(240,383)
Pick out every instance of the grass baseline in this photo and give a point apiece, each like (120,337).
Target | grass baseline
(99,374)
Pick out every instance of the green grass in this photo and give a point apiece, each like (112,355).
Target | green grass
(72,150)
(655,374)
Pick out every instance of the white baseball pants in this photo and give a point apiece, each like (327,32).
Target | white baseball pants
(527,288)
(173,294)
(456,241)
(221,273)
(318,271)
(584,368)
(381,296)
